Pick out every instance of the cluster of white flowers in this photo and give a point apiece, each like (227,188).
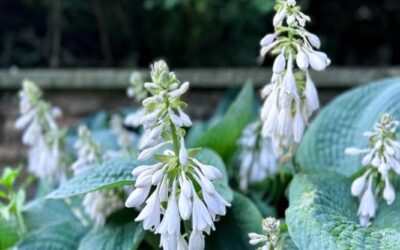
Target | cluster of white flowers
(178,187)
(89,152)
(42,133)
(99,204)
(258,156)
(137,91)
(270,236)
(380,158)
(291,96)
(124,139)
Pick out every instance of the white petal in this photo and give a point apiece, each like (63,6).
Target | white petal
(301,59)
(388,193)
(279,63)
(267,40)
(182,152)
(196,241)
(314,40)
(137,197)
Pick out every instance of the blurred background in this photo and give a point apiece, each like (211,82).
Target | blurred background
(190,33)
(82,51)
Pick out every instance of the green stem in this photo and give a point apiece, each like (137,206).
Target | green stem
(20,221)
(173,132)
(174,138)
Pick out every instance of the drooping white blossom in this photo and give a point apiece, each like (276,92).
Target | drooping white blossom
(258,156)
(124,139)
(42,134)
(291,96)
(98,204)
(88,151)
(380,159)
(270,235)
(177,187)
(101,204)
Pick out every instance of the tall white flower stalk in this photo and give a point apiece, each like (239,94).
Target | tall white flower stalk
(42,134)
(124,139)
(380,159)
(291,96)
(137,91)
(102,203)
(88,151)
(177,188)
(269,238)
(258,156)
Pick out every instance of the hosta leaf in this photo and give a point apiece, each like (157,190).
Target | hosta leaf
(112,173)
(342,123)
(222,137)
(209,157)
(8,233)
(63,236)
(323,215)
(114,237)
(39,213)
(232,230)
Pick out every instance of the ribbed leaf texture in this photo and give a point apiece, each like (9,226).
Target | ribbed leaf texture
(112,173)
(341,125)
(323,215)
(113,237)
(63,236)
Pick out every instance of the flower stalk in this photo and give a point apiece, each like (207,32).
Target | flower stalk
(291,96)
(177,187)
(380,160)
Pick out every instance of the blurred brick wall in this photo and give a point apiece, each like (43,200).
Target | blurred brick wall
(77,104)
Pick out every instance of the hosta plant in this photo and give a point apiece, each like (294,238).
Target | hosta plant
(250,177)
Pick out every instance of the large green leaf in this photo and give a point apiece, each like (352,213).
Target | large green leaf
(232,230)
(341,125)
(8,233)
(222,137)
(323,215)
(112,173)
(63,236)
(209,157)
(112,236)
(40,213)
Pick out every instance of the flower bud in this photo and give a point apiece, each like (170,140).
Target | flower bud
(388,193)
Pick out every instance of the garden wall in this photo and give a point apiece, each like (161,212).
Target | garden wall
(81,92)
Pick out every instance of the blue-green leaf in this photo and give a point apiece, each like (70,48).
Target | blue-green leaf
(323,215)
(112,173)
(222,137)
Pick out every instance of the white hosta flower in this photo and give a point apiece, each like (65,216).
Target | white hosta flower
(379,159)
(100,204)
(88,151)
(292,97)
(136,89)
(133,119)
(178,187)
(181,199)
(42,134)
(124,139)
(259,156)
(270,235)
(368,205)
